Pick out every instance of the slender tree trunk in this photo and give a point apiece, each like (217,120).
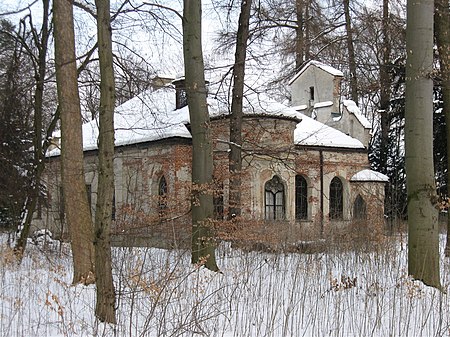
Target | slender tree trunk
(235,156)
(423,231)
(299,35)
(33,197)
(385,86)
(442,27)
(203,241)
(307,24)
(351,52)
(105,307)
(78,214)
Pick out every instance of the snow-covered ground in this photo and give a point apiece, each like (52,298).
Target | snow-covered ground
(357,293)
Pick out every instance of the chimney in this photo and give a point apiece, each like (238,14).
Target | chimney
(180,92)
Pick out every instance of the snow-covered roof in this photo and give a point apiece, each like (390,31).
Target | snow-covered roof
(310,132)
(253,104)
(369,175)
(147,117)
(320,65)
(152,116)
(353,108)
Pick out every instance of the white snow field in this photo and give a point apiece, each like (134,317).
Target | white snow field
(159,293)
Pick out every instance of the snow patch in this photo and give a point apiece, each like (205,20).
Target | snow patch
(353,108)
(310,132)
(370,175)
(323,104)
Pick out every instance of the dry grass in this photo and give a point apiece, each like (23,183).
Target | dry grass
(353,291)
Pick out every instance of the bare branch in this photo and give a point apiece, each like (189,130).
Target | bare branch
(87,9)
(164,7)
(19,10)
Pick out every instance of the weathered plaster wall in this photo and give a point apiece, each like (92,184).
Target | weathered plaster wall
(267,151)
(326,88)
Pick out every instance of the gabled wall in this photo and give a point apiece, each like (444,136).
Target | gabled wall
(314,85)
(324,83)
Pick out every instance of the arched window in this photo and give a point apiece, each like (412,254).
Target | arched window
(359,208)
(274,199)
(301,198)
(162,193)
(336,199)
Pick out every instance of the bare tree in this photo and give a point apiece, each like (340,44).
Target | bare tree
(302,43)
(351,52)
(105,307)
(235,156)
(40,41)
(78,215)
(203,244)
(384,85)
(423,231)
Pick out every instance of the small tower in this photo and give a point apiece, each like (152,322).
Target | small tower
(316,92)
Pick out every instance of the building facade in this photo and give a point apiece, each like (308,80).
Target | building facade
(305,167)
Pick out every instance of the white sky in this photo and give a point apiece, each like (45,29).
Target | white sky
(141,36)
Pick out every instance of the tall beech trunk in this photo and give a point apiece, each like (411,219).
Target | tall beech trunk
(442,27)
(105,307)
(423,230)
(203,241)
(235,156)
(78,213)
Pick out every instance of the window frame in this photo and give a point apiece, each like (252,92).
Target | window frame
(162,193)
(311,93)
(336,199)
(274,199)
(301,198)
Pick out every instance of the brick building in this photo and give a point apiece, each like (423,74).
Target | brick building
(305,166)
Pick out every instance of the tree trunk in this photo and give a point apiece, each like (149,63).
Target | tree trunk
(235,156)
(441,24)
(423,231)
(307,23)
(203,241)
(41,68)
(299,35)
(385,86)
(78,213)
(351,52)
(105,307)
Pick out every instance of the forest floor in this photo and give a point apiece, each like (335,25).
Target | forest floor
(358,292)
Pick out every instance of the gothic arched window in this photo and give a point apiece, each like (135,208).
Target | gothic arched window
(162,193)
(336,199)
(301,198)
(274,199)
